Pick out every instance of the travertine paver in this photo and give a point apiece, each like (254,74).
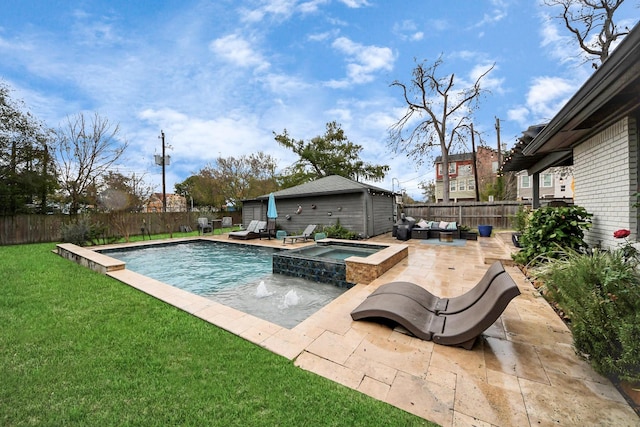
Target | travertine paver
(521,372)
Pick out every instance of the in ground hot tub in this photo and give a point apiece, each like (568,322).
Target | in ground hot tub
(340,262)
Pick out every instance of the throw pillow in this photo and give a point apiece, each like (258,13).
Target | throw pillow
(422,224)
(452,226)
(443,225)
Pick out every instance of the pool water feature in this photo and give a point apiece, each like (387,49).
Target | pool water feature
(236,275)
(325,262)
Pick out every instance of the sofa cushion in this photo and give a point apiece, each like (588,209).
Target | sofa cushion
(451,226)
(422,224)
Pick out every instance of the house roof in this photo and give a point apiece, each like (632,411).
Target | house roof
(610,93)
(462,156)
(333,184)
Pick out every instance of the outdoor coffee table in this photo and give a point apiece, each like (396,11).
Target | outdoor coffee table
(446,236)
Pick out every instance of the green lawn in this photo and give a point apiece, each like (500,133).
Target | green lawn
(79,348)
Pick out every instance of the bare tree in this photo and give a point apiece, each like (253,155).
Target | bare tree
(85,150)
(592,24)
(442,112)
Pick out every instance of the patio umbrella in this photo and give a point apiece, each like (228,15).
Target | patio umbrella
(272,212)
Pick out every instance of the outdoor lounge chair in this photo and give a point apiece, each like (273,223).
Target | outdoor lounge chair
(439,305)
(251,232)
(227,222)
(461,328)
(204,225)
(306,234)
(269,231)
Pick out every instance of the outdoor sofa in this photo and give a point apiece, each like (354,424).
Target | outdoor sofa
(432,229)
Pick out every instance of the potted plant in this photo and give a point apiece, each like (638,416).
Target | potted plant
(519,221)
(466,233)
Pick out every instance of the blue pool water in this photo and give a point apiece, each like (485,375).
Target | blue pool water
(236,275)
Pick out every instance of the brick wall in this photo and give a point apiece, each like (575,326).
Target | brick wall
(605,178)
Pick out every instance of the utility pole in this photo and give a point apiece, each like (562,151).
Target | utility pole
(499,148)
(475,162)
(164,186)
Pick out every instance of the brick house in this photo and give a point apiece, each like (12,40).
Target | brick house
(597,131)
(462,185)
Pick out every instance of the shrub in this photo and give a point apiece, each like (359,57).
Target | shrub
(550,229)
(520,219)
(337,231)
(76,232)
(600,293)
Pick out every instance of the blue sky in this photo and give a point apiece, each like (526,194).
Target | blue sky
(219,77)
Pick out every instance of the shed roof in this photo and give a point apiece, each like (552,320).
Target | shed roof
(333,184)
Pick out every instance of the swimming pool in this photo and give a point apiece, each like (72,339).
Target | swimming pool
(236,275)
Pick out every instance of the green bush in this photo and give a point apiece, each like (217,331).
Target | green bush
(550,229)
(77,232)
(520,219)
(337,231)
(600,293)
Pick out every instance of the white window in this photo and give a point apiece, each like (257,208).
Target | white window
(461,185)
(471,185)
(464,170)
(547,180)
(525,181)
(452,168)
(563,187)
(494,167)
(452,185)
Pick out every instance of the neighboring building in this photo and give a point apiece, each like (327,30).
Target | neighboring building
(555,184)
(175,203)
(597,131)
(361,208)
(462,184)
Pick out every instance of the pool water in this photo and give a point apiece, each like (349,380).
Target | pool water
(337,251)
(236,275)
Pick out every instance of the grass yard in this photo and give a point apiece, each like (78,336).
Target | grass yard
(79,348)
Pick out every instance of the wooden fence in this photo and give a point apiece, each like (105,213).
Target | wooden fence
(497,214)
(47,228)
(22,229)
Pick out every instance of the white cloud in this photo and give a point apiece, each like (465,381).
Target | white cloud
(355,4)
(280,9)
(311,6)
(408,30)
(362,61)
(235,49)
(519,115)
(547,95)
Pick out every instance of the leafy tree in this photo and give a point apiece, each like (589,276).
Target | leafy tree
(442,113)
(428,190)
(231,180)
(592,24)
(123,193)
(329,154)
(86,149)
(27,172)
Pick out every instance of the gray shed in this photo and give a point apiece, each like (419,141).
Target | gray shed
(361,208)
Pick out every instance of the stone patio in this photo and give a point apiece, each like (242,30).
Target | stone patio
(522,372)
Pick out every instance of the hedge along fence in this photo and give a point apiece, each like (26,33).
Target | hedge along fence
(22,229)
(472,214)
